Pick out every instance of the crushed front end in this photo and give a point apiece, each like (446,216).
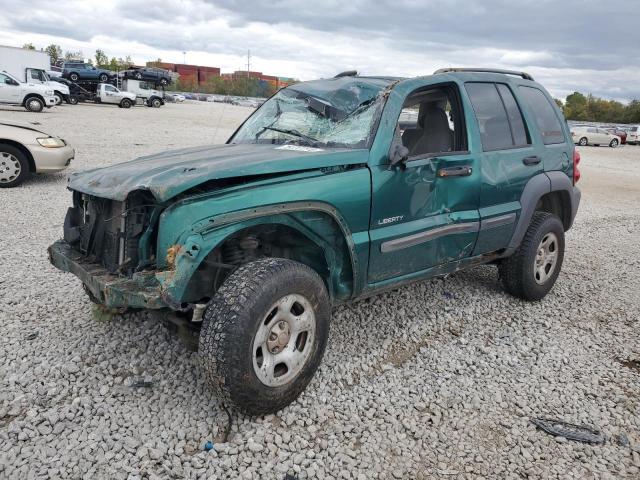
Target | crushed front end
(109,246)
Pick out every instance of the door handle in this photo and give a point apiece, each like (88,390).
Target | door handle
(459,171)
(532,160)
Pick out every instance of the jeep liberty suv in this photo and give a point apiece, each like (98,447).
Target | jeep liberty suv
(331,191)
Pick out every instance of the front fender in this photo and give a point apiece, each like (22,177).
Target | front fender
(185,257)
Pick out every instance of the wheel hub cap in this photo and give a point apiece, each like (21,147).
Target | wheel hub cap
(10,167)
(284,340)
(546,258)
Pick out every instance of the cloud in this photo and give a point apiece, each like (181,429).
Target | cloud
(572,45)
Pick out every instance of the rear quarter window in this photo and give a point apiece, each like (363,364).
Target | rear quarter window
(544,115)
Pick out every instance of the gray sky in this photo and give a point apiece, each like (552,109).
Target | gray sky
(584,45)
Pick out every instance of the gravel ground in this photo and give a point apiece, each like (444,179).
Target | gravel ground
(435,380)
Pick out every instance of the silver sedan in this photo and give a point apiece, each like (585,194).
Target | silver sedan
(25,150)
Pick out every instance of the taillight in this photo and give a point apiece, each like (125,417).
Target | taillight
(576,162)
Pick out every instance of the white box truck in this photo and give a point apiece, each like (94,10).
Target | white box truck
(30,66)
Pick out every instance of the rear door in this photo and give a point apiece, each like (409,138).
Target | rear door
(508,160)
(9,91)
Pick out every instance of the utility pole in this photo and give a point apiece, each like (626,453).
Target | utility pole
(248,62)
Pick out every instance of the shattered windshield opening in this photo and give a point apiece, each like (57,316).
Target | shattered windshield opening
(338,117)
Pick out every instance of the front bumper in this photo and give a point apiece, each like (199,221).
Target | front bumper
(142,290)
(49,160)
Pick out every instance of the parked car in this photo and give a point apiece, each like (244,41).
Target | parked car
(32,96)
(25,150)
(317,200)
(76,71)
(178,98)
(159,76)
(619,132)
(108,93)
(594,136)
(633,134)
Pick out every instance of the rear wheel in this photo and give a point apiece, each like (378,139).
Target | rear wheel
(264,333)
(164,82)
(583,141)
(532,270)
(74,77)
(34,104)
(73,100)
(103,77)
(613,143)
(14,166)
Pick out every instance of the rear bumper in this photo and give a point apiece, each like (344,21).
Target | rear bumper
(142,290)
(576,195)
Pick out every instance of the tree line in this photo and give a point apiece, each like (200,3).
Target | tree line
(578,106)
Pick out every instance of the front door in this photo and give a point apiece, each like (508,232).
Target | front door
(425,212)
(9,89)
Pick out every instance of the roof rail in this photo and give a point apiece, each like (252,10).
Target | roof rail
(524,75)
(348,73)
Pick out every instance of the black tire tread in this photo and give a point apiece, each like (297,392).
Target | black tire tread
(223,316)
(512,269)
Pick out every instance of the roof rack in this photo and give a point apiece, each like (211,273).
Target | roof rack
(348,73)
(524,75)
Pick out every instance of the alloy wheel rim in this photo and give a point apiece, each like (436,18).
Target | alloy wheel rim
(544,264)
(10,167)
(34,105)
(284,340)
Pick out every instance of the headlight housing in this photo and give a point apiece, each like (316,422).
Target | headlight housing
(51,142)
(48,92)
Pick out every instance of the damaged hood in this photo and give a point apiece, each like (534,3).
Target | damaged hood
(170,173)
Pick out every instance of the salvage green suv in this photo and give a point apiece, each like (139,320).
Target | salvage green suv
(332,190)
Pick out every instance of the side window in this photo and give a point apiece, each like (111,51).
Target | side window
(544,114)
(3,79)
(518,130)
(499,118)
(431,121)
(109,88)
(591,130)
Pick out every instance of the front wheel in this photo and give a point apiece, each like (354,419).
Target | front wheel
(532,270)
(103,77)
(125,103)
(73,100)
(264,334)
(156,103)
(614,143)
(34,104)
(583,142)
(59,98)
(164,82)
(74,77)
(14,166)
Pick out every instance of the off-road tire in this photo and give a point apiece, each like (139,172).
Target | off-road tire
(125,103)
(583,142)
(25,171)
(34,104)
(517,271)
(231,321)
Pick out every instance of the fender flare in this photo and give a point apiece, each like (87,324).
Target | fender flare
(536,188)
(200,242)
